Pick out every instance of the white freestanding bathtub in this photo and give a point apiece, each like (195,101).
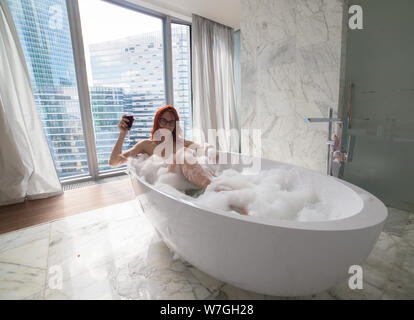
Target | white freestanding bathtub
(281,258)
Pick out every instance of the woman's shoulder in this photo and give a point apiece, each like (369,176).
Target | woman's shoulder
(149,141)
(144,144)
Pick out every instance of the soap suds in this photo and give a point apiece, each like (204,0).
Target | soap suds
(274,194)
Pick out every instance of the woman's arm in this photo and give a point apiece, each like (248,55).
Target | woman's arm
(194,145)
(118,158)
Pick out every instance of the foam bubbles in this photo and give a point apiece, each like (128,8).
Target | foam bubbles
(274,194)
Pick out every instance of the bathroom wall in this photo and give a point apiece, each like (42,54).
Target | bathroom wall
(290,68)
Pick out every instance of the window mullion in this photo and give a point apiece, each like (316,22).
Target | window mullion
(82,83)
(168,72)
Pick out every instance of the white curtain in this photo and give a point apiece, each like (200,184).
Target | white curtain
(27,169)
(214,99)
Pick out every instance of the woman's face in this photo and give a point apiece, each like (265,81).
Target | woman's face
(167,121)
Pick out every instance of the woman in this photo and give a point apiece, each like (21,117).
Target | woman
(165,118)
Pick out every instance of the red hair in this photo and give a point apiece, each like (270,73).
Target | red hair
(159,113)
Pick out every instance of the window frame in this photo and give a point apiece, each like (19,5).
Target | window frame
(82,79)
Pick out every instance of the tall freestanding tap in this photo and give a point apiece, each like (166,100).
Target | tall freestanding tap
(336,154)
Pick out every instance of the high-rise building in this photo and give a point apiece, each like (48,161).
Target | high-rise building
(45,37)
(43,30)
(128,77)
(181,53)
(136,64)
(108,105)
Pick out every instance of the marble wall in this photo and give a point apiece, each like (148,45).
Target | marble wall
(290,68)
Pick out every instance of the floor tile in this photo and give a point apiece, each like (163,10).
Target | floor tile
(115,253)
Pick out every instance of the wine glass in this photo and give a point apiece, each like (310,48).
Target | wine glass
(131,119)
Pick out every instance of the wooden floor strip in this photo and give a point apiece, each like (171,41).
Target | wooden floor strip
(71,202)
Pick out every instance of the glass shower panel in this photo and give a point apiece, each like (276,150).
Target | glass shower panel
(379,64)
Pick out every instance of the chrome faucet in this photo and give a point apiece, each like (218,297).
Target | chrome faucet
(337,154)
(323,119)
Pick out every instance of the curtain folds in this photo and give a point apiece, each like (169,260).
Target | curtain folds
(214,99)
(27,169)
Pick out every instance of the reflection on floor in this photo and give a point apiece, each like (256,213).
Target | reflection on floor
(114,253)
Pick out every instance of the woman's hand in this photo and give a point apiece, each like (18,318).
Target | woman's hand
(123,124)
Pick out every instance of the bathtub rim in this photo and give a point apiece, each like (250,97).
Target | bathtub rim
(373,210)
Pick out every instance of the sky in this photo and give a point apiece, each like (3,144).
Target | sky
(102,21)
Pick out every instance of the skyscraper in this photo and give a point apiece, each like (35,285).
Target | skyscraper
(43,30)
(136,64)
(44,33)
(128,77)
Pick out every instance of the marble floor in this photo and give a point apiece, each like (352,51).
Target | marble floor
(114,253)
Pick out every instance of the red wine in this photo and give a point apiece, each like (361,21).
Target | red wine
(131,121)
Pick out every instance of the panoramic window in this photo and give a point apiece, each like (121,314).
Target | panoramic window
(43,30)
(114,53)
(181,55)
(124,58)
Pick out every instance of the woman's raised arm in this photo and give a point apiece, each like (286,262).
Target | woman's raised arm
(118,157)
